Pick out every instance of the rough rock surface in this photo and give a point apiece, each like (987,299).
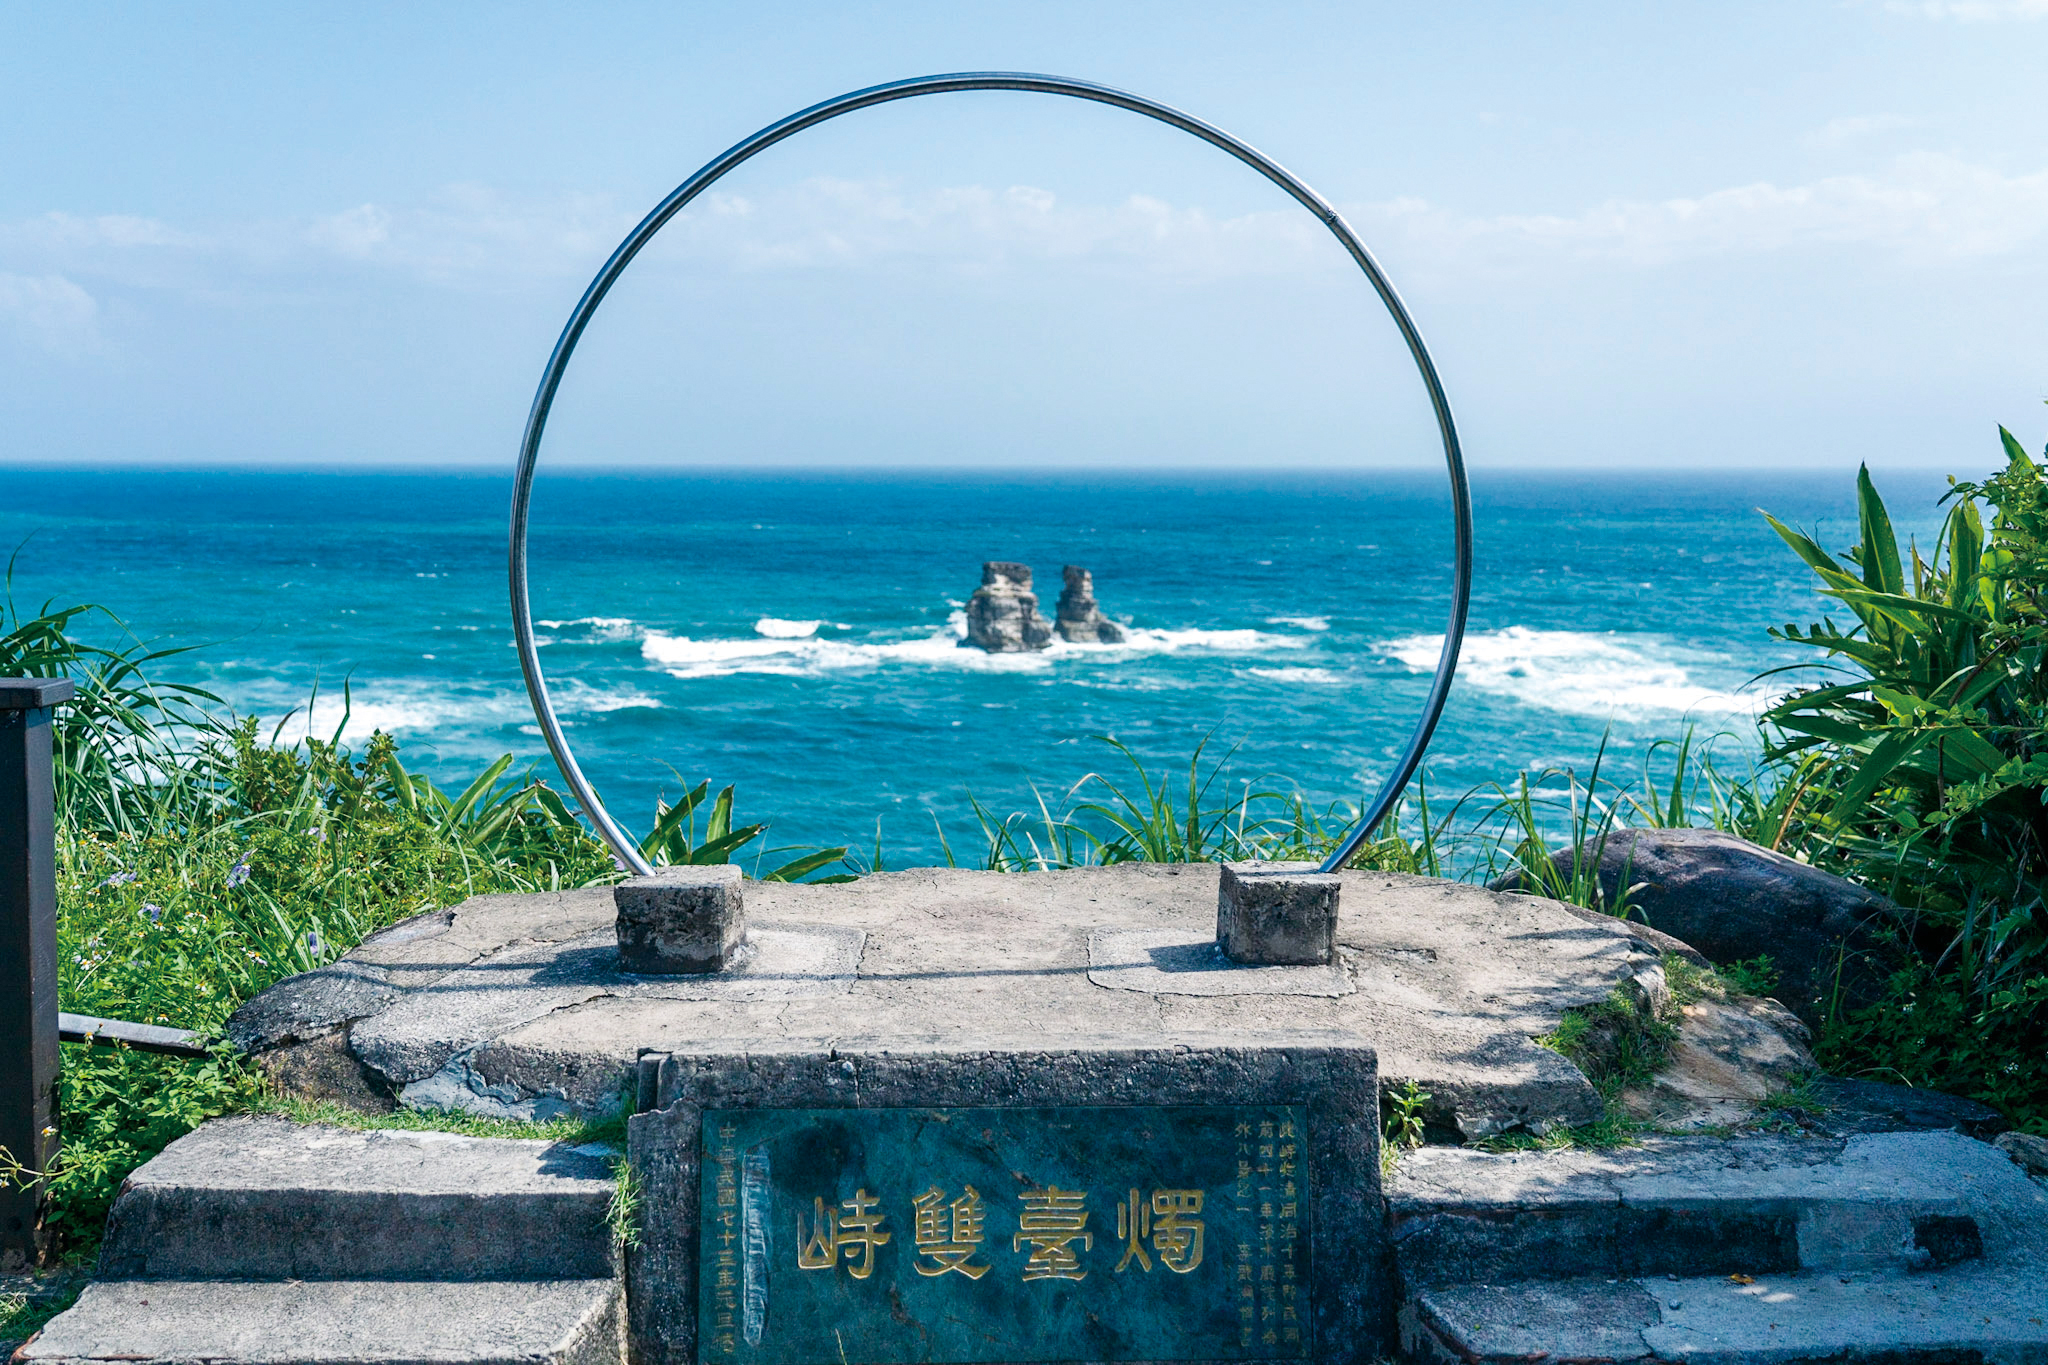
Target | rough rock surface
(1079,619)
(311,1005)
(1879,1107)
(1733,900)
(1002,616)
(512,997)
(1729,1055)
(2027,1150)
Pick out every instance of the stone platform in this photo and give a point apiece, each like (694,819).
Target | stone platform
(988,1119)
(514,1005)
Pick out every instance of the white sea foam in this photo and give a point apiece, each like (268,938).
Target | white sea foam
(1297,675)
(573,696)
(597,627)
(1138,638)
(777,629)
(1579,672)
(401,705)
(807,655)
(368,713)
(1303,622)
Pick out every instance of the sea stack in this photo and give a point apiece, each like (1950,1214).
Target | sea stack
(1002,616)
(1081,621)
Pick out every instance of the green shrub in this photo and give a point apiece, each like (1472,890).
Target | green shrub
(200,860)
(1924,764)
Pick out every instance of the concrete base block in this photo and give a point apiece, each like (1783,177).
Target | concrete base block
(338,1322)
(1279,913)
(257,1198)
(680,921)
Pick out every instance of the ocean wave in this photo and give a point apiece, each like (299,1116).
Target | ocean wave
(398,706)
(367,714)
(596,627)
(1296,675)
(575,697)
(1578,672)
(1304,622)
(776,629)
(807,655)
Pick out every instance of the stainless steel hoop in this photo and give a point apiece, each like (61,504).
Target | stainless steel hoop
(529,447)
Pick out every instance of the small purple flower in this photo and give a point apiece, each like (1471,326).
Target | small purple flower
(313,940)
(121,878)
(239,873)
(152,912)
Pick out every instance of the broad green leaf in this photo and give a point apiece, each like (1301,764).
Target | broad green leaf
(1880,544)
(401,783)
(1802,545)
(719,850)
(1965,555)
(799,867)
(2015,453)
(720,824)
(1871,773)
(474,791)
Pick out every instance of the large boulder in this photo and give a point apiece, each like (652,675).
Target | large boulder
(1734,900)
(1079,619)
(1002,616)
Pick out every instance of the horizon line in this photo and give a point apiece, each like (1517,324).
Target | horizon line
(469,469)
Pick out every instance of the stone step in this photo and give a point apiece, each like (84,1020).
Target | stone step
(1704,1206)
(1976,1314)
(265,1199)
(339,1322)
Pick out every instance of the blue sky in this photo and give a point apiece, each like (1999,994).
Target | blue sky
(1665,236)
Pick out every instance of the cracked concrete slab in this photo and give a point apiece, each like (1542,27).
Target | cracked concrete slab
(1745,1205)
(506,998)
(418,1034)
(1180,962)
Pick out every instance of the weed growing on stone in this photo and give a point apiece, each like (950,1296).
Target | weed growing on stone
(1402,1110)
(1617,1042)
(622,1213)
(1614,1129)
(1752,976)
(23,1314)
(299,1110)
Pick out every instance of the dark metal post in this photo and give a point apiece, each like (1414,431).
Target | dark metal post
(28,959)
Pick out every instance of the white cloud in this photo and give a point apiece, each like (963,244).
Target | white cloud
(1923,206)
(51,312)
(1926,206)
(1971,11)
(355,233)
(1838,131)
(821,224)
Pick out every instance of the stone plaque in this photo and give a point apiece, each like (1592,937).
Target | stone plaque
(1077,1233)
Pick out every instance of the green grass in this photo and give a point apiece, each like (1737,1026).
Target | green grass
(202,858)
(22,1315)
(1618,1044)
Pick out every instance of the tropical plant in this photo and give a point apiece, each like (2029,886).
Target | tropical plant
(1928,753)
(676,841)
(1924,763)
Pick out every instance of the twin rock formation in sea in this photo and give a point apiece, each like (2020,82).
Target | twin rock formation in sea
(1002,616)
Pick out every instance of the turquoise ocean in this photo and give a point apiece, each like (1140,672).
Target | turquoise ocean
(798,634)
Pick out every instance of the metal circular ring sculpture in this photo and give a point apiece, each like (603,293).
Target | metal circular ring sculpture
(536,423)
